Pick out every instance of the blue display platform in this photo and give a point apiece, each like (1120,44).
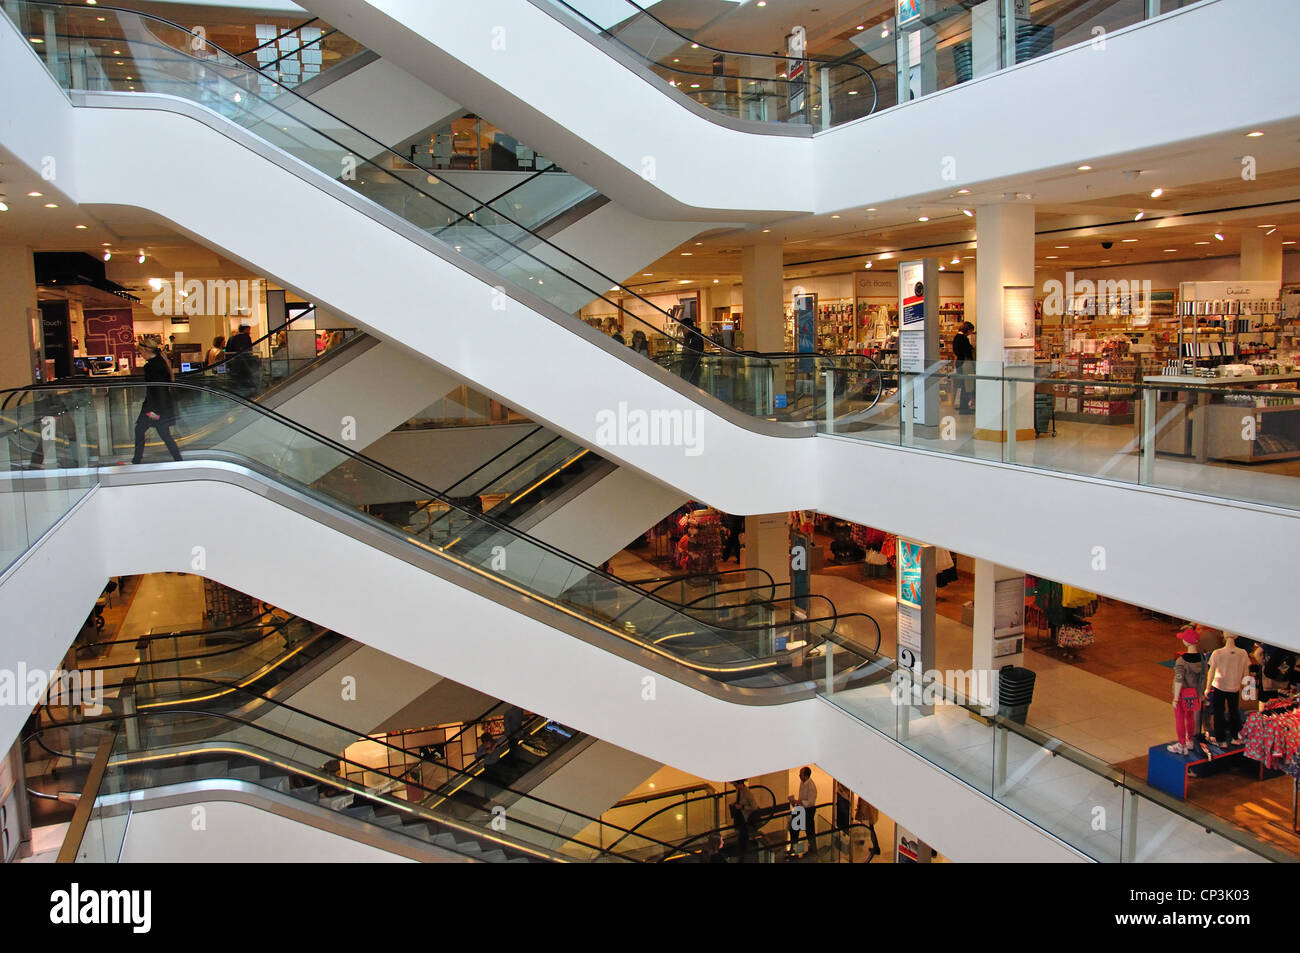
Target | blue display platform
(1169,772)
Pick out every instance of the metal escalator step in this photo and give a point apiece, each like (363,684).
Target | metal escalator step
(310,792)
(277,782)
(418,829)
(393,820)
(362,812)
(469,847)
(519,860)
(445,840)
(212,769)
(176,775)
(495,856)
(249,772)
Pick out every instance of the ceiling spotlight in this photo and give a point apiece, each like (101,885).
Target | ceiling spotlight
(766,230)
(1171,249)
(715,281)
(80,226)
(862,26)
(684,281)
(155,284)
(140,258)
(695,46)
(35,195)
(955,260)
(1138,216)
(941,267)
(3,206)
(1128,241)
(1156,193)
(1061,247)
(687,254)
(51,205)
(1085,168)
(108,256)
(1201,243)
(1270,231)
(884,32)
(867,265)
(1219,236)
(1052,256)
(968,213)
(963,191)
(1254,135)
(924,218)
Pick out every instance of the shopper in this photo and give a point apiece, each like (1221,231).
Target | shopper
(803,812)
(240,351)
(1228,666)
(868,815)
(1277,668)
(640,343)
(692,349)
(964,354)
(618,338)
(1189,686)
(217,353)
(744,813)
(158,410)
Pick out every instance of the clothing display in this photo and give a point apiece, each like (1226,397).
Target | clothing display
(700,547)
(1230,665)
(1272,736)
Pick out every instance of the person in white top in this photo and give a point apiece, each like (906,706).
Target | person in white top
(803,811)
(1228,667)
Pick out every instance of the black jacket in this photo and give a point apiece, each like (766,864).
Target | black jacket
(961,347)
(158,400)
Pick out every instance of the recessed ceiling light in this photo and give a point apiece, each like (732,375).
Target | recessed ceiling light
(963,191)
(1085,168)
(924,218)
(1062,247)
(762,3)
(884,32)
(955,260)
(684,281)
(51,205)
(862,26)
(675,60)
(968,213)
(1128,241)
(868,264)
(36,195)
(117,52)
(108,256)
(1171,249)
(695,46)
(79,226)
(715,281)
(1292,242)
(1104,260)
(695,85)
(871,209)
(1254,135)
(1201,243)
(1156,193)
(1219,235)
(647,274)
(941,267)
(37,39)
(766,230)
(1053,256)
(834,216)
(1139,216)
(3,207)
(853,92)
(687,254)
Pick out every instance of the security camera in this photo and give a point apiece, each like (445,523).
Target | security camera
(1107,245)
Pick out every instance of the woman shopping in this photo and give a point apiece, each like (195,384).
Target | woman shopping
(158,410)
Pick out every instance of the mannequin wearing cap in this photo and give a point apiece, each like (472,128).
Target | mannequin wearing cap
(1189,683)
(1228,666)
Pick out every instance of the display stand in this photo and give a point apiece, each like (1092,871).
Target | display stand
(1294,827)
(1170,772)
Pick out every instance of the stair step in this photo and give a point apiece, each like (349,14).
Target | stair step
(519,860)
(497,856)
(445,840)
(418,829)
(362,812)
(393,820)
(248,772)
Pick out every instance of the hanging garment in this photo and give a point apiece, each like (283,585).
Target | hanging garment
(1072,598)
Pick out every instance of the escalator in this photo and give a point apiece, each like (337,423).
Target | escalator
(594,652)
(523,346)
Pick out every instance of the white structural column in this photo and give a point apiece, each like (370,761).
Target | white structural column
(969,295)
(987,576)
(1004,234)
(1261,256)
(767,545)
(761,268)
(17,312)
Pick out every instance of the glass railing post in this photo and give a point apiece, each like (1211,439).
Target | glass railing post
(1001,738)
(830,400)
(825,80)
(1128,828)
(1147,467)
(1009,420)
(828,650)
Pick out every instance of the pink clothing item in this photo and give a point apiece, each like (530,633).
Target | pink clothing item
(1230,666)
(1185,715)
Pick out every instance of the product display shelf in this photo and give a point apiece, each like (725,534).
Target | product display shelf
(1200,425)
(1104,403)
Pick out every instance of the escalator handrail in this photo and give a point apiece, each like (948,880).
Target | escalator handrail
(488,203)
(715,796)
(223,650)
(329,755)
(252,622)
(782,61)
(423,492)
(669,580)
(600,293)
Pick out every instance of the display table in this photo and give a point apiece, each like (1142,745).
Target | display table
(1208,430)
(1170,772)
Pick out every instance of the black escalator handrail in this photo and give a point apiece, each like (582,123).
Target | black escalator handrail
(329,755)
(426,492)
(488,203)
(227,362)
(370,161)
(224,650)
(665,581)
(717,795)
(684,848)
(252,622)
(782,61)
(465,726)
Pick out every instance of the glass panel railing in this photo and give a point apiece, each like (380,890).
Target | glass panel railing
(777,387)
(44,456)
(908,51)
(1203,435)
(1101,811)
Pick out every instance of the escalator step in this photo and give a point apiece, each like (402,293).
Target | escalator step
(393,820)
(495,857)
(418,829)
(310,792)
(363,812)
(249,772)
(445,840)
(213,769)
(277,782)
(519,860)
(469,847)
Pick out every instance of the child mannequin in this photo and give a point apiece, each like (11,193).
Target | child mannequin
(1189,683)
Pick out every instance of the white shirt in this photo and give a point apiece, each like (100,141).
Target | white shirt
(1230,666)
(808,793)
